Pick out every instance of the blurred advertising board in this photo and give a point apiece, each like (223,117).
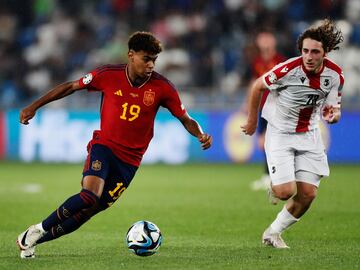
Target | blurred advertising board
(2,136)
(62,136)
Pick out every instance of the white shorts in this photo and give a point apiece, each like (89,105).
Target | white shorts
(289,153)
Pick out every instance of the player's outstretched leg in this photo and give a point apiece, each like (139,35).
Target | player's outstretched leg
(70,225)
(295,208)
(81,201)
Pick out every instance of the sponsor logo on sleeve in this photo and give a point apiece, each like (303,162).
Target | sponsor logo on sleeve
(272,77)
(87,78)
(284,69)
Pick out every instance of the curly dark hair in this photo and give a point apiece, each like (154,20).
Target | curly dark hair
(326,33)
(144,41)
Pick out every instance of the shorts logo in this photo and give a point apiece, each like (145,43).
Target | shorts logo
(87,78)
(149,97)
(96,165)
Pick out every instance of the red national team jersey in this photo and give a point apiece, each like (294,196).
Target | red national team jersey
(128,112)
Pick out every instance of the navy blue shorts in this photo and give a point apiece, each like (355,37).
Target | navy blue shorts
(103,163)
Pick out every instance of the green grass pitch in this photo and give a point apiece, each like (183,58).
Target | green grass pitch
(209,217)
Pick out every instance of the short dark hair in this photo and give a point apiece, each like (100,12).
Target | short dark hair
(326,33)
(144,41)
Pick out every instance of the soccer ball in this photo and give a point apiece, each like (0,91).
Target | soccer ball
(143,238)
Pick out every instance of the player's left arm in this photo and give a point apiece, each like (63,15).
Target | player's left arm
(331,111)
(193,127)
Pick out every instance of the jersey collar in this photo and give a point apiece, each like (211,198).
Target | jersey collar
(129,81)
(308,73)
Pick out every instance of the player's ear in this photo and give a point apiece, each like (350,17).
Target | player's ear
(131,55)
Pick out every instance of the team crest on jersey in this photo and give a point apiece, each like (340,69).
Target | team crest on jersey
(149,97)
(325,82)
(87,78)
(96,165)
(272,77)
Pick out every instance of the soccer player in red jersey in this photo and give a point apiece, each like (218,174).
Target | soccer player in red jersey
(302,89)
(131,96)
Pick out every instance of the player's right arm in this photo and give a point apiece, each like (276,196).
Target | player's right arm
(256,92)
(57,92)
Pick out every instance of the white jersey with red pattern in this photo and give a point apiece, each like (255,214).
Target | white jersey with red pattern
(297,96)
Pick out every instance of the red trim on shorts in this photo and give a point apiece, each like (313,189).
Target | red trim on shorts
(88,157)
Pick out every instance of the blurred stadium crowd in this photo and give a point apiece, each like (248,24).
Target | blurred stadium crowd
(209,45)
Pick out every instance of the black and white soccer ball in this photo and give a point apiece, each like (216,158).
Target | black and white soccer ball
(144,238)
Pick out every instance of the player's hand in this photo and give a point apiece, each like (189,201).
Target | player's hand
(26,114)
(205,140)
(329,114)
(249,128)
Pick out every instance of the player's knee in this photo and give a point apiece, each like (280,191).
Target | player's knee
(308,196)
(284,192)
(284,195)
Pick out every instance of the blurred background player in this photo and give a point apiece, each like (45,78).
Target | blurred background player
(131,96)
(301,89)
(265,59)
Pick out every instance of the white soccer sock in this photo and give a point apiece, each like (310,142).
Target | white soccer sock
(39,227)
(283,220)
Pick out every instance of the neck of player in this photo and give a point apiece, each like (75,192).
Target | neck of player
(135,79)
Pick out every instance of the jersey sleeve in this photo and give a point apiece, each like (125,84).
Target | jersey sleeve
(173,103)
(334,96)
(91,81)
(275,79)
(271,78)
